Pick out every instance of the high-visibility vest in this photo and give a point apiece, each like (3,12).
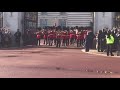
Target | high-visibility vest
(110,40)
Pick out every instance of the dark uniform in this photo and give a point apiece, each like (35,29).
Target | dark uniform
(67,39)
(58,39)
(64,38)
(17,38)
(118,44)
(87,42)
(50,38)
(78,40)
(100,44)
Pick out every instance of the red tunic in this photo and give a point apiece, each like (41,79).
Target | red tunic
(45,35)
(50,35)
(78,37)
(38,36)
(85,34)
(71,35)
(54,35)
(82,35)
(64,35)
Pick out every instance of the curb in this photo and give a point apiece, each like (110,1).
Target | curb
(26,47)
(99,54)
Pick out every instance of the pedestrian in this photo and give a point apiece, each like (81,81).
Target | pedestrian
(51,38)
(118,44)
(38,38)
(45,37)
(58,38)
(87,42)
(100,44)
(78,40)
(67,39)
(17,37)
(109,42)
(1,38)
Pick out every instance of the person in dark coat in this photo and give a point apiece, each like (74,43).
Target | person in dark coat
(118,43)
(17,37)
(92,36)
(100,44)
(1,39)
(87,42)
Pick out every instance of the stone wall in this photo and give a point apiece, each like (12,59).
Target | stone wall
(102,21)
(13,21)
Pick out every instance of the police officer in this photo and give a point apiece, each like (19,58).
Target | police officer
(17,37)
(109,42)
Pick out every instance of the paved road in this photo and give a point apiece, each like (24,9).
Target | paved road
(56,63)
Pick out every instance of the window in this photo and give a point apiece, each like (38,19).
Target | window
(62,13)
(43,22)
(43,13)
(29,19)
(62,22)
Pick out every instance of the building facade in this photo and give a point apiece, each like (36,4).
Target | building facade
(99,20)
(32,20)
(65,18)
(19,20)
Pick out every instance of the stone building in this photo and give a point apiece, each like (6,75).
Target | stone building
(31,20)
(100,20)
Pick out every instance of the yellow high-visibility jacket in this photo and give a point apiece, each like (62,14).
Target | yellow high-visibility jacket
(110,40)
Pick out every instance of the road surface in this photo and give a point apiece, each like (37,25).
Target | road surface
(56,63)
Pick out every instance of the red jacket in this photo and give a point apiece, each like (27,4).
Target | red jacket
(45,35)
(38,36)
(64,35)
(54,35)
(50,35)
(79,37)
(82,35)
(71,35)
(85,34)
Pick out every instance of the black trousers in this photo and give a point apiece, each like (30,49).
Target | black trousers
(45,41)
(38,42)
(50,41)
(67,42)
(87,46)
(78,43)
(109,49)
(72,41)
(0,44)
(64,42)
(54,41)
(100,46)
(18,43)
(81,42)
(118,49)
(58,42)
